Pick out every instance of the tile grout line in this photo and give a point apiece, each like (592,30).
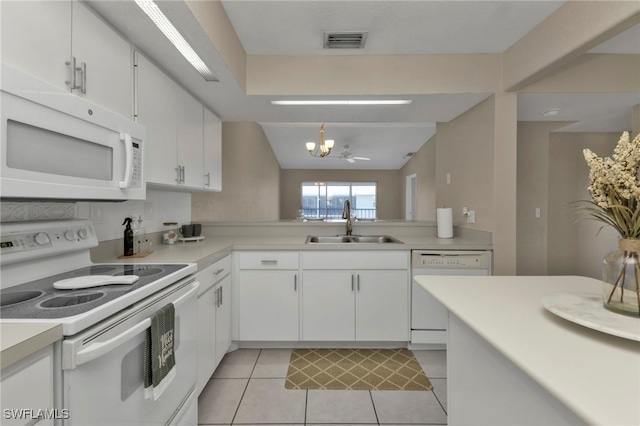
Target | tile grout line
(441,406)
(374,407)
(245,388)
(306,404)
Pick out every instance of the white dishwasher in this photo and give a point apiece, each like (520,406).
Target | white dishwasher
(428,316)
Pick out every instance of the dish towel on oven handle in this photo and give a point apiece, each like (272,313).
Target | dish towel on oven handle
(159,356)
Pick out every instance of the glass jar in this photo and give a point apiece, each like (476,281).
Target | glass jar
(621,278)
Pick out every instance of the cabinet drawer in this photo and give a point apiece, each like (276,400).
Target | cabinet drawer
(371,259)
(268,260)
(212,274)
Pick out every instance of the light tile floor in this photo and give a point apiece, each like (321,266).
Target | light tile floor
(248,389)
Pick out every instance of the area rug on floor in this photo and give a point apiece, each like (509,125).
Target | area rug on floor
(357,369)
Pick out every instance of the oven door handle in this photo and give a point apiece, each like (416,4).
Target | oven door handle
(96,350)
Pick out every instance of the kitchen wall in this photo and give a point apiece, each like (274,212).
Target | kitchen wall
(250,179)
(533,191)
(160,206)
(388,201)
(423,165)
(575,248)
(465,150)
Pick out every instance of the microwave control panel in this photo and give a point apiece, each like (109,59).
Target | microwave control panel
(136,177)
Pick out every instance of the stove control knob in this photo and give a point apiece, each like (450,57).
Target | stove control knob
(70,235)
(83,233)
(41,238)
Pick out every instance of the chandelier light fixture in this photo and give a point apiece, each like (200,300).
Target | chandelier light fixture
(324,148)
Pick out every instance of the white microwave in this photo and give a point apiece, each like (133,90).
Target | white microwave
(57,145)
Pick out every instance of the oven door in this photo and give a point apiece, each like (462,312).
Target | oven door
(102,378)
(56,145)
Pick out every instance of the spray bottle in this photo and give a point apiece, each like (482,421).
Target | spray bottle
(128,237)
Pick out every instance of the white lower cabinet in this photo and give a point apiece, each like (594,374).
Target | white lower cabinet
(28,385)
(268,296)
(268,305)
(347,304)
(328,306)
(214,318)
(382,306)
(355,306)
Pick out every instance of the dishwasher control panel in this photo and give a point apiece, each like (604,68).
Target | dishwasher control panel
(450,259)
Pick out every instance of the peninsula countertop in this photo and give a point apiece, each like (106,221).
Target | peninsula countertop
(594,374)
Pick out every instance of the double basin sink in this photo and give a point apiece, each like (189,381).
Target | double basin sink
(362,239)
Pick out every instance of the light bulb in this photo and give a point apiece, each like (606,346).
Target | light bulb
(329,143)
(311,146)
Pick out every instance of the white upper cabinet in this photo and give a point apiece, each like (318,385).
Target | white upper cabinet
(156,109)
(105,60)
(190,137)
(184,139)
(36,38)
(46,38)
(212,151)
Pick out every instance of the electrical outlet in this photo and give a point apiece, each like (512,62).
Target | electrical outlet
(471,216)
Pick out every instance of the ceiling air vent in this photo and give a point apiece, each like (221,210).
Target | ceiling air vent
(409,154)
(345,40)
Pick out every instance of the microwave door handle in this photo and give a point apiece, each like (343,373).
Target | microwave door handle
(128,146)
(96,350)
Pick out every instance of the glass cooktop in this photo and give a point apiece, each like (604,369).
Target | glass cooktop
(38,299)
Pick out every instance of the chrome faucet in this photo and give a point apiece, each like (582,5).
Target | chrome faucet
(346,214)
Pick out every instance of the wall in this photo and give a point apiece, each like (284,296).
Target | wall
(575,248)
(533,191)
(423,165)
(250,178)
(388,201)
(464,149)
(160,206)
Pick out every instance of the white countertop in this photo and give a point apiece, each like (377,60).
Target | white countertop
(597,376)
(213,248)
(18,341)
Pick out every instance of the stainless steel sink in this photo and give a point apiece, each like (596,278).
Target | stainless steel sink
(362,239)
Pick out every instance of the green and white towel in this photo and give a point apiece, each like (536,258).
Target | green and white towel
(159,356)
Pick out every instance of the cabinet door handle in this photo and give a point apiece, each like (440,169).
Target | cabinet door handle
(177,169)
(221,297)
(352,282)
(358,282)
(83,76)
(217,301)
(182,174)
(269,262)
(208,176)
(295,282)
(71,64)
(219,271)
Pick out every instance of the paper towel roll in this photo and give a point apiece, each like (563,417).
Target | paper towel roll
(444,216)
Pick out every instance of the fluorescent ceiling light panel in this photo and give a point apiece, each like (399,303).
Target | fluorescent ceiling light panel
(162,22)
(347,102)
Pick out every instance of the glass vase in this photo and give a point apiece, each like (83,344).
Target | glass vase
(621,278)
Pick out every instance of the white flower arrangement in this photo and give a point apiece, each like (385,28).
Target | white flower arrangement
(615,188)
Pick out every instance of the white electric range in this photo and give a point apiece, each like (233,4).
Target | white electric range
(101,356)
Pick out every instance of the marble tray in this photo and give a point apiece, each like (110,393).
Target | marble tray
(587,310)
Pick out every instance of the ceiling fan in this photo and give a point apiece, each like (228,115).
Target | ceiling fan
(347,155)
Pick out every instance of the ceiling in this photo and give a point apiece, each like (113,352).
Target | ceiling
(383,133)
